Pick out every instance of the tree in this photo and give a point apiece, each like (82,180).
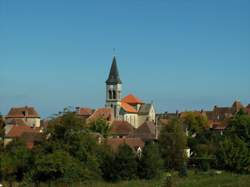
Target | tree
(125,163)
(15,161)
(173,142)
(233,154)
(194,123)
(151,164)
(107,164)
(69,134)
(100,126)
(2,133)
(58,166)
(240,125)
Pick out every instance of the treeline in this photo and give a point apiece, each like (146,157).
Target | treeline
(69,153)
(229,151)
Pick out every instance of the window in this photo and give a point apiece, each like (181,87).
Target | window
(114,95)
(110,94)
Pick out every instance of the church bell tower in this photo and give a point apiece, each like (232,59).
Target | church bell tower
(114,89)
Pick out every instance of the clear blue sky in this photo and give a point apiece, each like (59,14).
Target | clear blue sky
(182,54)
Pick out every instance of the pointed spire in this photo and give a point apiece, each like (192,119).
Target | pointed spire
(114,77)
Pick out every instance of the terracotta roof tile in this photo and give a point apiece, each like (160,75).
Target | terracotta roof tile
(196,113)
(85,112)
(121,128)
(131,99)
(23,112)
(134,143)
(128,108)
(147,131)
(17,131)
(102,113)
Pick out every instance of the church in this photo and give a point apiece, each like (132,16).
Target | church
(128,108)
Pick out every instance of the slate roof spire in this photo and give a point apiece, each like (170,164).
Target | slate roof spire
(114,77)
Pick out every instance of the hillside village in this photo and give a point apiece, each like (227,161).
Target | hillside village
(131,120)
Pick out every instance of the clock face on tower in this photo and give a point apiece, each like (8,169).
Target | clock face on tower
(111,86)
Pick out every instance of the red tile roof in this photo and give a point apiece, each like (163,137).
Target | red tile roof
(23,112)
(121,128)
(196,113)
(85,112)
(102,113)
(134,143)
(147,131)
(17,131)
(131,99)
(128,108)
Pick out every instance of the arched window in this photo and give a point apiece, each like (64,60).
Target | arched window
(110,94)
(114,94)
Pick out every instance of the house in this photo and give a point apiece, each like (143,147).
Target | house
(84,113)
(122,129)
(23,132)
(217,118)
(147,131)
(102,113)
(136,144)
(23,116)
(130,108)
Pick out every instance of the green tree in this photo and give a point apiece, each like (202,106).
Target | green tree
(194,123)
(240,125)
(58,166)
(2,133)
(173,142)
(69,134)
(108,165)
(125,163)
(100,126)
(233,154)
(150,164)
(15,161)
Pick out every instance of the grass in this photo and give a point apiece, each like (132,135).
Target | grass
(193,180)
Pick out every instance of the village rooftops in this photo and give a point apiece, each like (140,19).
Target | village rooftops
(101,113)
(132,100)
(121,128)
(17,131)
(133,143)
(86,112)
(23,112)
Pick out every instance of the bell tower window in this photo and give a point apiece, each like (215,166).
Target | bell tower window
(110,94)
(114,95)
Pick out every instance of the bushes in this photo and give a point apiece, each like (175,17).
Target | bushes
(125,165)
(151,164)
(173,142)
(233,155)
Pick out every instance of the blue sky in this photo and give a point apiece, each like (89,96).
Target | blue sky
(181,54)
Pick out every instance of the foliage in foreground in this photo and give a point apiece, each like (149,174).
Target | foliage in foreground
(69,153)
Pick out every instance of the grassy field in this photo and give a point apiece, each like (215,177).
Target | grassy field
(193,180)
